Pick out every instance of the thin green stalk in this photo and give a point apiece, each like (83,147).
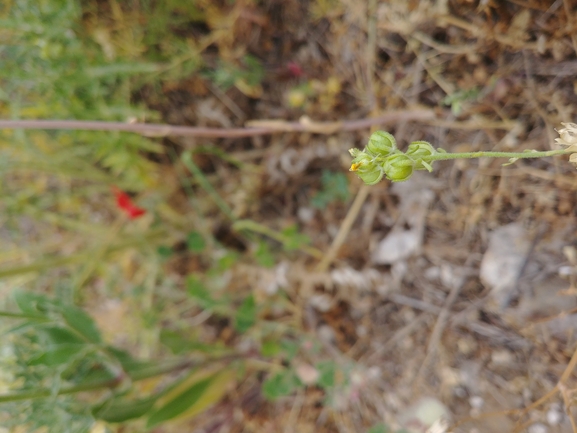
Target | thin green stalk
(46,264)
(255,227)
(43,393)
(160,370)
(216,151)
(24,316)
(238,225)
(206,185)
(483,154)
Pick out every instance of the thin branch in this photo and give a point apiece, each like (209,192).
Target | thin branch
(344,229)
(261,127)
(438,329)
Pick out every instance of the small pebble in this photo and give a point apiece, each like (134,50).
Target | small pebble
(306,214)
(537,428)
(554,414)
(307,374)
(326,333)
(476,402)
(502,357)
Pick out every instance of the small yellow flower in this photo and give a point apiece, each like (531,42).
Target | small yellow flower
(355,167)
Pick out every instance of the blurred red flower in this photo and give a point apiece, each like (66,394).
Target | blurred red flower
(124,203)
(295,69)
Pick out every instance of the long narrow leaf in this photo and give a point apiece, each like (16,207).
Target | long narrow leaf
(180,404)
(119,410)
(194,395)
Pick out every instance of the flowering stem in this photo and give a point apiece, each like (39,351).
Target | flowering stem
(519,155)
(483,154)
(382,158)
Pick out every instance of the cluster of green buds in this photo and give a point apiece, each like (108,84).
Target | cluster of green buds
(381,158)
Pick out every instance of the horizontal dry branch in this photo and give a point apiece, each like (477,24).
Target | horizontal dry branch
(260,127)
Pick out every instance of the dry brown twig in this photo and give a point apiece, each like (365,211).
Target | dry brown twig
(254,128)
(344,229)
(440,324)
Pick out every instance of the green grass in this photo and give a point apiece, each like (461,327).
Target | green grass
(67,244)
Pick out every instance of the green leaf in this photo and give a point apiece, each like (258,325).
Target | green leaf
(179,343)
(120,410)
(280,385)
(326,371)
(195,242)
(511,162)
(57,355)
(293,239)
(264,256)
(255,73)
(335,187)
(226,262)
(290,347)
(198,291)
(270,348)
(176,342)
(180,403)
(427,166)
(192,395)
(133,367)
(31,303)
(164,251)
(115,69)
(86,370)
(56,335)
(246,315)
(82,323)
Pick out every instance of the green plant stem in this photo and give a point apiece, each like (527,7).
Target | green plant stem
(24,316)
(517,155)
(46,264)
(160,370)
(43,393)
(206,185)
(255,227)
(238,225)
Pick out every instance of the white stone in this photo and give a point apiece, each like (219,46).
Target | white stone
(396,246)
(554,414)
(307,374)
(322,303)
(424,414)
(537,428)
(503,260)
(476,401)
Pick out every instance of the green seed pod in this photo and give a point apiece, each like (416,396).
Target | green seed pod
(421,148)
(418,150)
(399,167)
(381,143)
(371,177)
